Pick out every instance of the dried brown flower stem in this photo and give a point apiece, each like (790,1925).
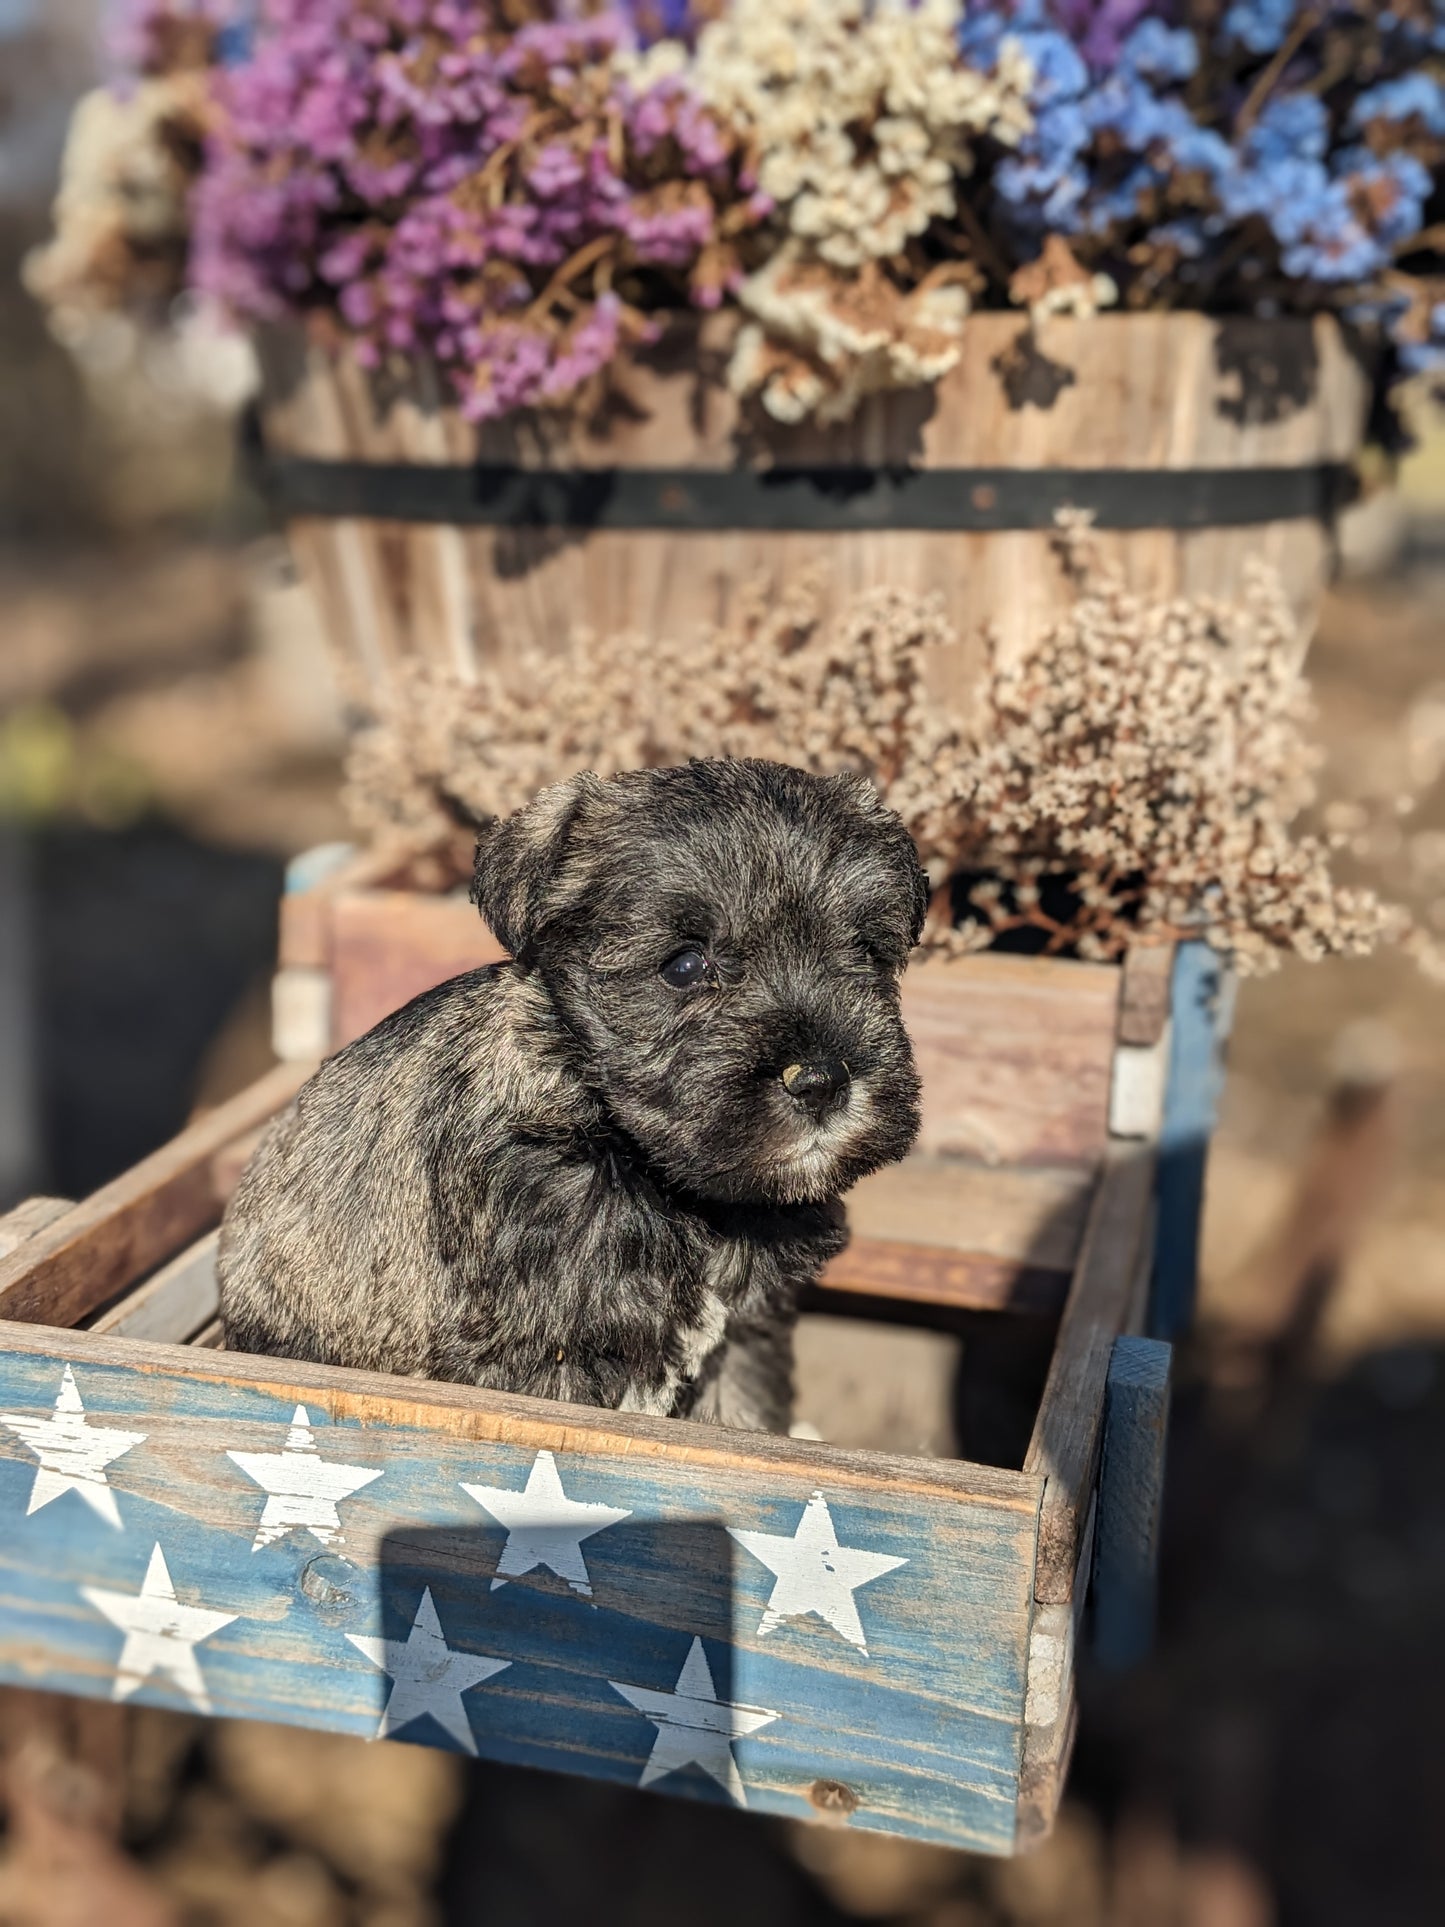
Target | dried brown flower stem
(1305,24)
(1147,760)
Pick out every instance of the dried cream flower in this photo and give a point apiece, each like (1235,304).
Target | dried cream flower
(861,116)
(861,119)
(121,225)
(1056,283)
(1142,769)
(820,341)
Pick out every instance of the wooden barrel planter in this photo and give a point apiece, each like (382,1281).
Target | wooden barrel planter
(1195,443)
(253,1538)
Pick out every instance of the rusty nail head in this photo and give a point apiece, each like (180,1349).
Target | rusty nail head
(833,1799)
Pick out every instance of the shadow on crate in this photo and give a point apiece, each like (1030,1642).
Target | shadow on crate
(922,1380)
(531,1848)
(635,1618)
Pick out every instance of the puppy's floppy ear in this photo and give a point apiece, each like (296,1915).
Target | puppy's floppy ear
(863,794)
(922,892)
(518,857)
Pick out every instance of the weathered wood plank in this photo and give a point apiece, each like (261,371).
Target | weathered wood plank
(19,1225)
(1053,1641)
(1015,1053)
(1064,1450)
(1051,1706)
(1035,1216)
(1043,1776)
(305,912)
(945,1231)
(1144,999)
(138,1220)
(388,946)
(471,1413)
(1136,1316)
(894,1667)
(1131,1489)
(174,1304)
(1136,1098)
(1138,390)
(928,1275)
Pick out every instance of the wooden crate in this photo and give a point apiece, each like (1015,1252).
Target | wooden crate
(851,1636)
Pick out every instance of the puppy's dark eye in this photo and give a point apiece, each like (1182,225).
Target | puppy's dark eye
(874,954)
(684,969)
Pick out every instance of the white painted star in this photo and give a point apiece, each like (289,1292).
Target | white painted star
(814,1573)
(427,1675)
(544,1526)
(73,1453)
(161,1635)
(695,1727)
(303,1490)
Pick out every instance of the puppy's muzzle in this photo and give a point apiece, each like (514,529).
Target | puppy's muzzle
(816,1084)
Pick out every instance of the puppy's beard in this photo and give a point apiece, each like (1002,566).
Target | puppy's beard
(813,1167)
(757,1145)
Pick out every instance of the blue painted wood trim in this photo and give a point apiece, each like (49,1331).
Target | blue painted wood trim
(1131,1486)
(1200,1001)
(313,866)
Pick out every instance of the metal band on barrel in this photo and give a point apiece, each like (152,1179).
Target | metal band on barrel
(818,499)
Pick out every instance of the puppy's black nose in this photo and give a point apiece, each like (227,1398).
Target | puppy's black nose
(817,1082)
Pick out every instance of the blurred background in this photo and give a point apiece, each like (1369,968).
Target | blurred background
(170,735)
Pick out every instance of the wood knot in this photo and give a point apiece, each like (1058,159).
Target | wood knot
(330,1582)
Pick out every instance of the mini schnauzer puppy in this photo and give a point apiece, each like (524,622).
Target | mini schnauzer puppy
(604,1170)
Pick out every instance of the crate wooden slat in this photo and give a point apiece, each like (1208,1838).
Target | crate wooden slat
(1064,1450)
(18,1226)
(1131,1482)
(949,1231)
(1018,1058)
(91,1252)
(378,936)
(1016,1053)
(176,1302)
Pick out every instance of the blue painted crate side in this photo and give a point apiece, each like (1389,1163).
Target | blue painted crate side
(1131,1490)
(1200,996)
(311,868)
(922,1721)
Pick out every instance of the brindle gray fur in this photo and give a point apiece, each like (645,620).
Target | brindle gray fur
(562,1175)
